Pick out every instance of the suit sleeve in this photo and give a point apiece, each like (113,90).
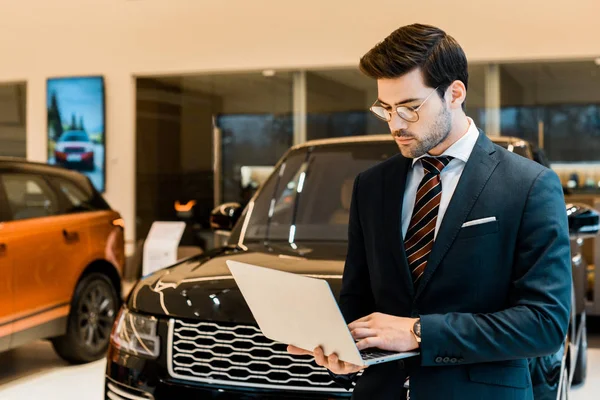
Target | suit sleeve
(356,299)
(536,322)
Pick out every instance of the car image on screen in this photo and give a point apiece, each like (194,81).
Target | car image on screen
(74,148)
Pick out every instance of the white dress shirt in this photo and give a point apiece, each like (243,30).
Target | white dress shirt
(461,151)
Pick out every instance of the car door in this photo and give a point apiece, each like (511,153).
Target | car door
(44,247)
(6,278)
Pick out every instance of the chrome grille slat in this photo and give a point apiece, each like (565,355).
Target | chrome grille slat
(240,355)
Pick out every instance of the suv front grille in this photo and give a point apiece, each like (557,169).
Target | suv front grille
(240,355)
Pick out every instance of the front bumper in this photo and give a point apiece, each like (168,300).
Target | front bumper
(134,378)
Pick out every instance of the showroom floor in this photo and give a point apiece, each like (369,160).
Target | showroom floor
(35,372)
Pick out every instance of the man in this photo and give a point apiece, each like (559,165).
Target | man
(457,247)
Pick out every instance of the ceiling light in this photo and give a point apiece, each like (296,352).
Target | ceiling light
(268,72)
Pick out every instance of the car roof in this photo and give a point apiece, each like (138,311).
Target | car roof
(20,164)
(518,142)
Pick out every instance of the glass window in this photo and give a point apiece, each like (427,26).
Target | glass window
(74,136)
(309,199)
(555,105)
(178,119)
(12,119)
(29,196)
(78,198)
(274,207)
(475,102)
(338,103)
(324,204)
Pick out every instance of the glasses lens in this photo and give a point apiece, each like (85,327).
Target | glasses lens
(380,113)
(407,114)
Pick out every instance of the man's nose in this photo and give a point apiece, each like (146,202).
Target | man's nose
(397,123)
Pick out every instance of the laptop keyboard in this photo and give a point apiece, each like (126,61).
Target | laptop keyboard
(370,354)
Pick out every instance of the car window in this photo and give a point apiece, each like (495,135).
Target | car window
(78,199)
(274,207)
(324,204)
(80,195)
(74,137)
(29,196)
(308,198)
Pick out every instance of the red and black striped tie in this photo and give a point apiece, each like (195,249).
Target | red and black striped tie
(420,236)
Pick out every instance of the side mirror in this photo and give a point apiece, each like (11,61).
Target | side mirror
(224,217)
(584,221)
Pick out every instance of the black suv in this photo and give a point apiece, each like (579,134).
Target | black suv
(186,331)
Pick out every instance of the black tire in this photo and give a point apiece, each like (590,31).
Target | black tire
(581,365)
(93,311)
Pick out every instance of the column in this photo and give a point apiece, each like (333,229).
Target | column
(492,100)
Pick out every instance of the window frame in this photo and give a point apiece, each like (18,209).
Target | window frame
(4,195)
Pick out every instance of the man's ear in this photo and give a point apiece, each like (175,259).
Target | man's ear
(457,93)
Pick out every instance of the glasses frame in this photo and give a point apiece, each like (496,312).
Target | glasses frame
(411,109)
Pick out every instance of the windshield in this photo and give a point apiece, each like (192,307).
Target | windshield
(308,197)
(74,137)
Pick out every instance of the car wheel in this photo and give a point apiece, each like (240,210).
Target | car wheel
(581,363)
(93,312)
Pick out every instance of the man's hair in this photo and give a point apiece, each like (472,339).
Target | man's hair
(438,55)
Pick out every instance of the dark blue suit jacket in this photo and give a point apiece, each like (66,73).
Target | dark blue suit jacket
(492,295)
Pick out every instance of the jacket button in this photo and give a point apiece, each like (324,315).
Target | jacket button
(446,360)
(438,360)
(453,360)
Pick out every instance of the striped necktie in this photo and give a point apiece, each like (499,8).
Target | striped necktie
(420,236)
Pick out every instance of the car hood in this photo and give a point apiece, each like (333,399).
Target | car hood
(202,288)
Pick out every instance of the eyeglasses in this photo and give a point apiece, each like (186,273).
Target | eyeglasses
(409,114)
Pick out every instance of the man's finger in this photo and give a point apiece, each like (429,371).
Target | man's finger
(368,343)
(361,333)
(339,367)
(359,324)
(351,368)
(298,351)
(320,358)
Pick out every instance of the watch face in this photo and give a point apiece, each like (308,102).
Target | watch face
(417,328)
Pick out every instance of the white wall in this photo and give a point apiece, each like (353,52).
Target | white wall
(124,38)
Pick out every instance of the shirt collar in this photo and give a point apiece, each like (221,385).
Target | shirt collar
(463,147)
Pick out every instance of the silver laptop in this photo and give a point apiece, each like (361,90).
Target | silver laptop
(302,311)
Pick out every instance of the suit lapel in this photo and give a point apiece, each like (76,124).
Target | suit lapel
(476,174)
(393,193)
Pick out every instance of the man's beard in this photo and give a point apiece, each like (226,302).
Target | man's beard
(438,132)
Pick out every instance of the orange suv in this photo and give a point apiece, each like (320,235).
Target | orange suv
(61,260)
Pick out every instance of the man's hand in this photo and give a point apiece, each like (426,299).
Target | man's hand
(385,332)
(332,362)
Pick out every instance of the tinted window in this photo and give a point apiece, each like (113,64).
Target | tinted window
(74,137)
(308,198)
(80,197)
(324,203)
(29,196)
(273,209)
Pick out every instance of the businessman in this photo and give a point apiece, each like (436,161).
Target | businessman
(457,247)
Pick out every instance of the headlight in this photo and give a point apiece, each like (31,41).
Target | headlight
(136,334)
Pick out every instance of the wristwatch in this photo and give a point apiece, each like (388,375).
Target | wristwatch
(416,330)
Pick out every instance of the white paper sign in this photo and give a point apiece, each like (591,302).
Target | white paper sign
(160,248)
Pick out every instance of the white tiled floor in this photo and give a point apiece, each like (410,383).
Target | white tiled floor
(35,372)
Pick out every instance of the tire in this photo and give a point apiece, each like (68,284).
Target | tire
(581,364)
(93,311)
